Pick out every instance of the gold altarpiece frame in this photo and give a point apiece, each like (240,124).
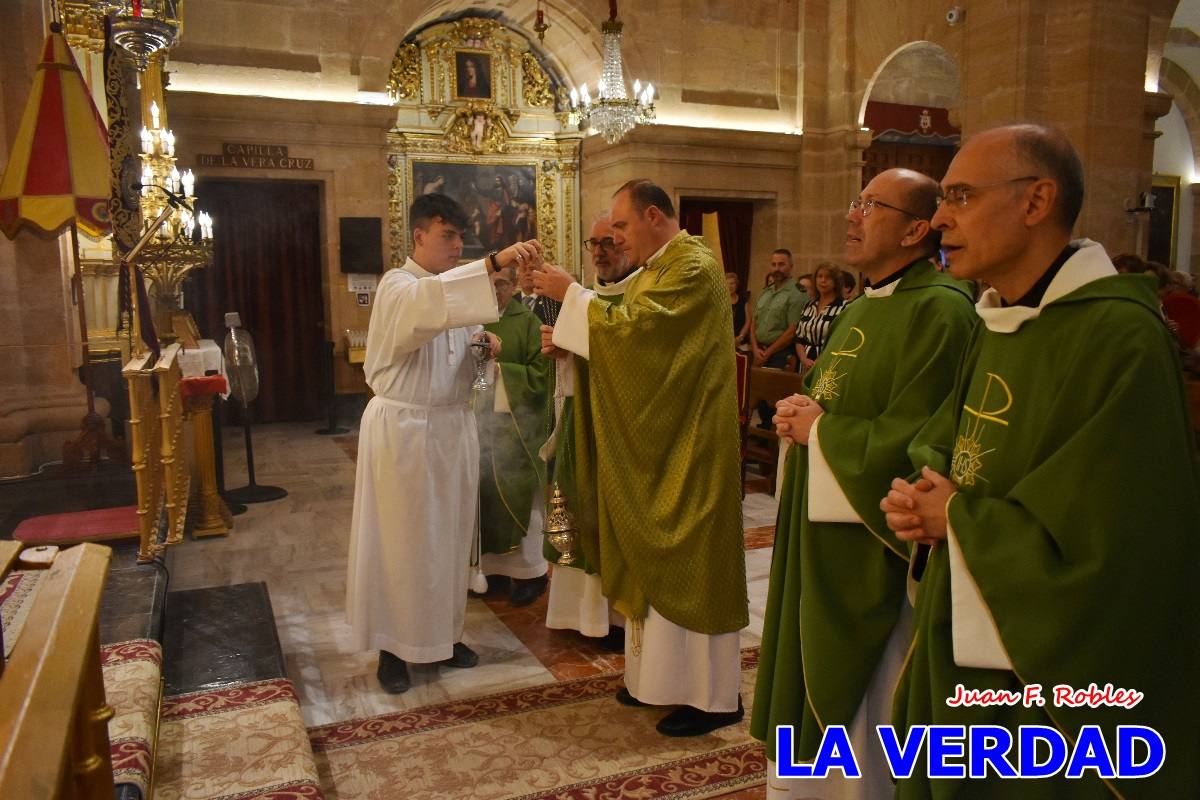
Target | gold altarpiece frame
(493,135)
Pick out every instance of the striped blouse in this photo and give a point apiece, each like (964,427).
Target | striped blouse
(813,328)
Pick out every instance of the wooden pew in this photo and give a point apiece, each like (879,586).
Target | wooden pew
(53,715)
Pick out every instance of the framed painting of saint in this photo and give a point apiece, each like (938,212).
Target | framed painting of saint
(500,200)
(472,75)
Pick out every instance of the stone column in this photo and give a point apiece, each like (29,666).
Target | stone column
(41,399)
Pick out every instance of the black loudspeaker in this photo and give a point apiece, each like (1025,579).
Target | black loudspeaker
(361,244)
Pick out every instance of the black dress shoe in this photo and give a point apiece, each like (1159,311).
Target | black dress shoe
(463,658)
(689,721)
(613,641)
(525,591)
(626,699)
(498,584)
(392,673)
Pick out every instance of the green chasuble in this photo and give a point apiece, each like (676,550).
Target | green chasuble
(657,450)
(510,469)
(1077,516)
(836,589)
(564,446)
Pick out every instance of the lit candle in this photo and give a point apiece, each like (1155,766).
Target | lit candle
(147,141)
(174,179)
(147,179)
(153,114)
(169,138)
(574,97)
(649,93)
(189,184)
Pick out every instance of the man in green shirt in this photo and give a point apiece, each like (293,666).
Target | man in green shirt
(1061,501)
(776,314)
(836,622)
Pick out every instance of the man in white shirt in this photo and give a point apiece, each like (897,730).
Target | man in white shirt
(417,486)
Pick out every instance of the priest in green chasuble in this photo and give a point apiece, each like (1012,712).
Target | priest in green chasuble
(514,421)
(660,473)
(1060,506)
(577,600)
(837,620)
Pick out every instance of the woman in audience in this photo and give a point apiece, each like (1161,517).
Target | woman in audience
(741,316)
(819,314)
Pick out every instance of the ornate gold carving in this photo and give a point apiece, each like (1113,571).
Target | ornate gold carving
(476,128)
(470,30)
(547,224)
(404,81)
(534,83)
(570,254)
(397,233)
(83,26)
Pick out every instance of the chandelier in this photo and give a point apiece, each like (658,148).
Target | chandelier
(613,113)
(141,28)
(183,241)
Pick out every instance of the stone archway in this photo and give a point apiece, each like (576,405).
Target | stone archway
(918,73)
(910,107)
(1175,81)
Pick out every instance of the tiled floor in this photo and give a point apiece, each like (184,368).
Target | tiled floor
(298,545)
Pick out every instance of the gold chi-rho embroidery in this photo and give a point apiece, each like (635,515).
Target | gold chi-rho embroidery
(827,383)
(967,462)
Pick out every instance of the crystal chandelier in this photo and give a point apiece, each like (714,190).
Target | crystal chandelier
(183,241)
(613,113)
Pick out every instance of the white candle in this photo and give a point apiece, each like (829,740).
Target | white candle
(153,114)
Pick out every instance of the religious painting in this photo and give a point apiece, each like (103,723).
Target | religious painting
(500,200)
(1164,219)
(472,75)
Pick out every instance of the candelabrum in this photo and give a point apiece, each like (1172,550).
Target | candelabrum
(613,113)
(183,241)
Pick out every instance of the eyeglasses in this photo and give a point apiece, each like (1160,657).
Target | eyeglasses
(958,194)
(866,206)
(591,244)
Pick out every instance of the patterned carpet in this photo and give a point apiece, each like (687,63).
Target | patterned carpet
(133,688)
(562,741)
(17,593)
(245,741)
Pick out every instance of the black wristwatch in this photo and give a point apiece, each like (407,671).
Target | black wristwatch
(491,257)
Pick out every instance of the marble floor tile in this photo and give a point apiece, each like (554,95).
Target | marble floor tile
(298,547)
(759,510)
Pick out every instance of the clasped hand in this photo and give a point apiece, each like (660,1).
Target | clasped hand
(916,512)
(794,417)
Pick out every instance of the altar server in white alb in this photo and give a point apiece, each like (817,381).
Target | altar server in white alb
(417,488)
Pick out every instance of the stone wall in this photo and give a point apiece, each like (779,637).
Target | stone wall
(347,144)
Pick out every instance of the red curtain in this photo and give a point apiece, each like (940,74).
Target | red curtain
(267,266)
(734,221)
